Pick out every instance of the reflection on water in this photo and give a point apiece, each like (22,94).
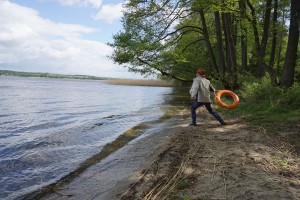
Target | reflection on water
(49,126)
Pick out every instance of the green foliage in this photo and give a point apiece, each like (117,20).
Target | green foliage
(167,38)
(292,96)
(263,91)
(262,104)
(182,185)
(281,162)
(260,90)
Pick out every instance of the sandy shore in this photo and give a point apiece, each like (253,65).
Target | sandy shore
(220,162)
(179,162)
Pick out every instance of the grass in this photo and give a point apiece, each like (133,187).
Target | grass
(262,114)
(282,163)
(182,185)
(273,108)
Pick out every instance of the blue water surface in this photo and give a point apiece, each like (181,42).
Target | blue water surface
(49,126)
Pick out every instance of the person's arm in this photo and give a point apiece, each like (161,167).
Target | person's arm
(211,88)
(194,89)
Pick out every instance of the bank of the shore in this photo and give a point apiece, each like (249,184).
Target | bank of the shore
(98,177)
(175,161)
(237,161)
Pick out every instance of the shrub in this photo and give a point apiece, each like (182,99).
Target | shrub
(291,96)
(261,91)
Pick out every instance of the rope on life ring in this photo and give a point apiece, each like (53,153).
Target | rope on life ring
(235,98)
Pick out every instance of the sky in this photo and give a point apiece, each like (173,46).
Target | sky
(61,36)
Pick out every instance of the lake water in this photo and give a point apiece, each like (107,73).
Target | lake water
(49,126)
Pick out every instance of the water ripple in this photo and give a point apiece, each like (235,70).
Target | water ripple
(49,126)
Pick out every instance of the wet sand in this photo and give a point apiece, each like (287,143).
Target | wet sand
(113,174)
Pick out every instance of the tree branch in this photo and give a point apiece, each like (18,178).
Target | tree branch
(163,72)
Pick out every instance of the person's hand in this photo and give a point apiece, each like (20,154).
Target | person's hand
(193,98)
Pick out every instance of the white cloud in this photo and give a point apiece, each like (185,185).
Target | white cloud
(110,12)
(31,43)
(93,3)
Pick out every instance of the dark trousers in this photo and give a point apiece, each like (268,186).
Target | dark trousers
(196,105)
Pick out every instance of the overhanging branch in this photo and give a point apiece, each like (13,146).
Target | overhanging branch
(162,72)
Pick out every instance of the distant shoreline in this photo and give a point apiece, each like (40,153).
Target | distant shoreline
(113,81)
(49,75)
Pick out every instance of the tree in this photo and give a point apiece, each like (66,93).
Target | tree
(230,49)
(146,39)
(171,38)
(221,58)
(288,75)
(244,50)
(208,43)
(275,32)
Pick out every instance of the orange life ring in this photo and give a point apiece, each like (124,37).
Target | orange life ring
(235,98)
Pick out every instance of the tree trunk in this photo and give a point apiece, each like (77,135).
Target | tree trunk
(288,75)
(264,40)
(275,31)
(266,26)
(219,43)
(242,6)
(227,57)
(231,50)
(260,71)
(208,44)
(280,37)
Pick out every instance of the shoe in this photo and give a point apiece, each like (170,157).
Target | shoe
(224,123)
(192,124)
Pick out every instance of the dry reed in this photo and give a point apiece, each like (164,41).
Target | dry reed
(139,82)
